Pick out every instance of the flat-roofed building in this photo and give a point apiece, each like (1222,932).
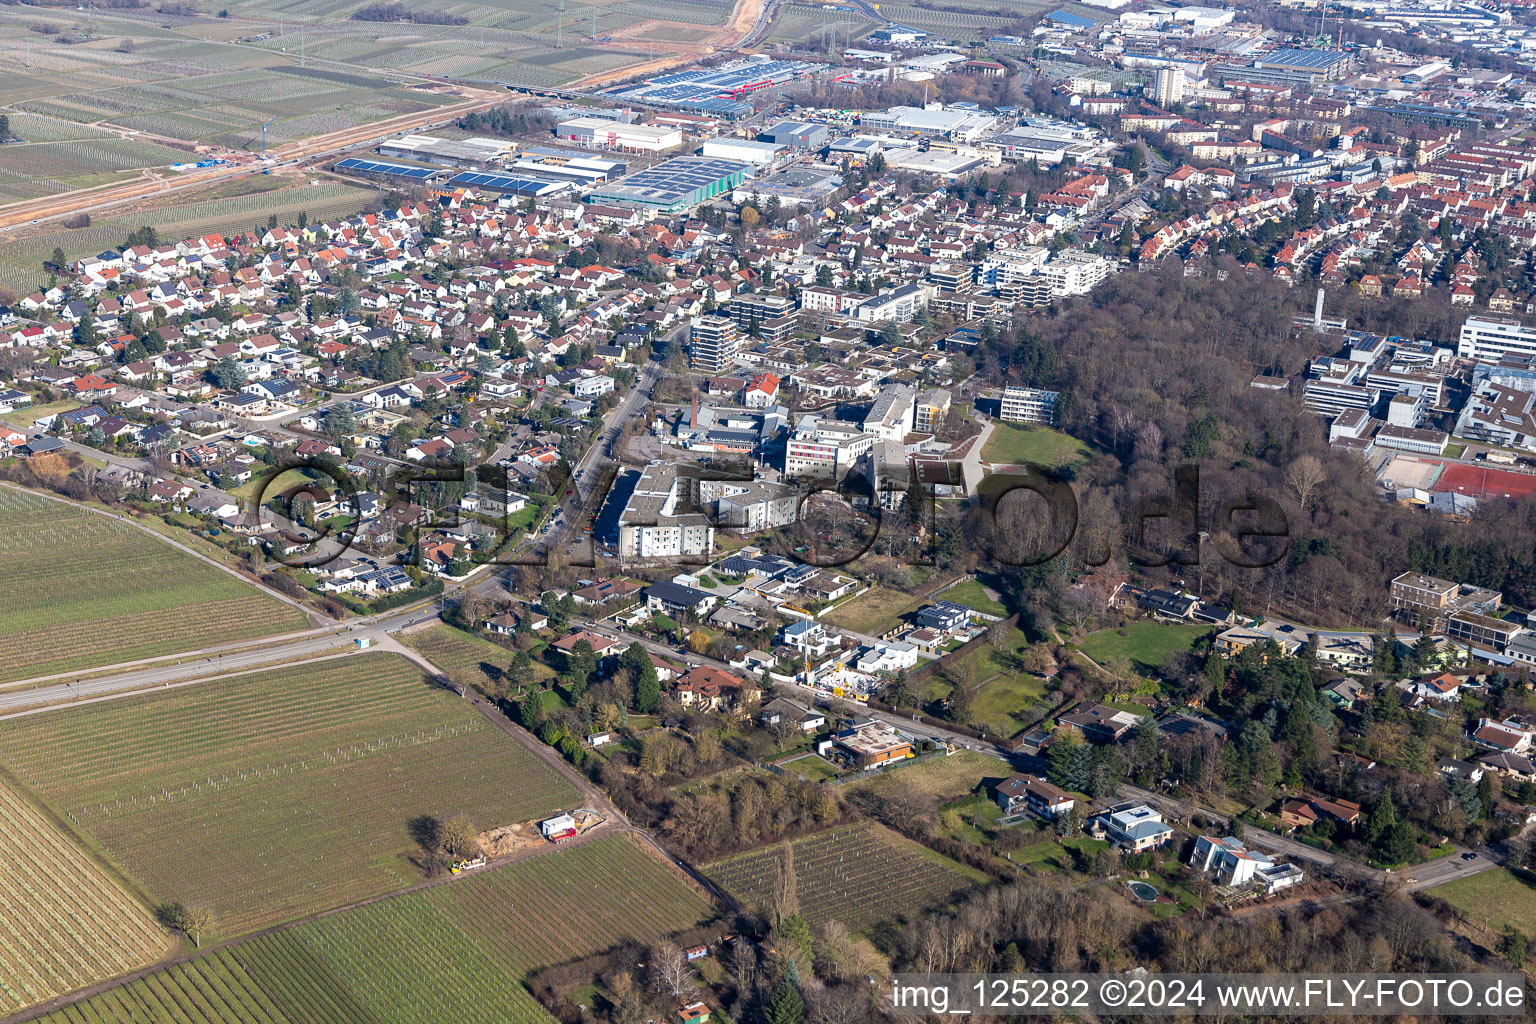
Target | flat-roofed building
(1029,405)
(678,184)
(712,343)
(601,133)
(1490,339)
(661,519)
(869,743)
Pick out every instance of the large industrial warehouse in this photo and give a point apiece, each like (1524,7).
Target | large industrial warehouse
(674,185)
(385,171)
(429,149)
(507,184)
(721,90)
(601,133)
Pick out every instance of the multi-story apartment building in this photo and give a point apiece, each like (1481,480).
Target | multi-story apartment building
(900,304)
(1417,597)
(752,309)
(1030,405)
(931,408)
(661,518)
(890,417)
(1168,87)
(749,506)
(712,344)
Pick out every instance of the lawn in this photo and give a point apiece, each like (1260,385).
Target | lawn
(973,595)
(26,415)
(1146,643)
(1007,705)
(1004,698)
(84,590)
(861,875)
(267,796)
(460,951)
(69,924)
(1016,443)
(1056,854)
(811,766)
(1496,899)
(875,611)
(943,778)
(972,820)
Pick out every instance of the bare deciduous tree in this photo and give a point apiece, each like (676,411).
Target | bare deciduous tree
(1303,476)
(670,971)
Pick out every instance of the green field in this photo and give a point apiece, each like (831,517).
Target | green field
(874,611)
(942,778)
(1146,643)
(267,796)
(861,874)
(455,952)
(26,415)
(64,922)
(467,658)
(1008,704)
(1495,899)
(84,590)
(973,595)
(1017,443)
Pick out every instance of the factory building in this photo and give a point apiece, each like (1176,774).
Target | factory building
(381,170)
(746,150)
(600,133)
(508,184)
(561,165)
(796,135)
(796,188)
(429,149)
(677,184)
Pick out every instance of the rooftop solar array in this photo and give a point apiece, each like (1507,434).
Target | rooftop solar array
(380,167)
(716,90)
(673,179)
(1068,18)
(509,183)
(1313,59)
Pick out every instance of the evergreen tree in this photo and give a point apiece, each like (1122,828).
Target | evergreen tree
(531,710)
(786,1006)
(647,691)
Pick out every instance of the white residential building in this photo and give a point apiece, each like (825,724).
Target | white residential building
(1029,405)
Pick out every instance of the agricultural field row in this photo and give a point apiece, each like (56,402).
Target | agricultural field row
(467,657)
(21,260)
(861,875)
(292,790)
(64,922)
(85,590)
(459,951)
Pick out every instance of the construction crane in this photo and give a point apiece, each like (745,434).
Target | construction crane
(264,139)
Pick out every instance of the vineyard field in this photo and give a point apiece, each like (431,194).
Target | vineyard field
(84,590)
(861,875)
(466,656)
(271,795)
(459,951)
(64,922)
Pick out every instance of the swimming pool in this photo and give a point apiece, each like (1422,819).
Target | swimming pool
(1143,891)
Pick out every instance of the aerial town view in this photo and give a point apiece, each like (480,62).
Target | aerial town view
(766,511)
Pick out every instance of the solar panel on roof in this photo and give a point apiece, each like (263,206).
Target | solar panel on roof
(379,167)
